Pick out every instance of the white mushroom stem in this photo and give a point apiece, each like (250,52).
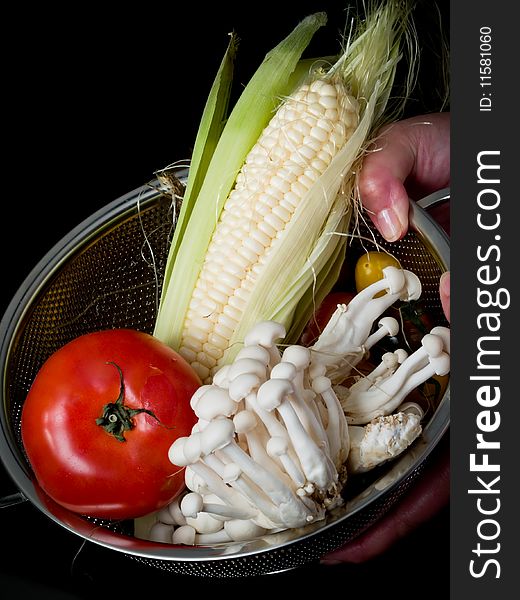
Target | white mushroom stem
(220,435)
(300,357)
(279,447)
(272,424)
(384,396)
(382,439)
(272,445)
(192,504)
(437,366)
(212,481)
(389,363)
(235,477)
(341,345)
(317,466)
(215,402)
(245,495)
(386,326)
(246,424)
(308,418)
(337,429)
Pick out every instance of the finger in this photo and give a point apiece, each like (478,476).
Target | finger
(424,501)
(444,292)
(409,159)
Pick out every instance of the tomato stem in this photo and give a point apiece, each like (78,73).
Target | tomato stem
(118,418)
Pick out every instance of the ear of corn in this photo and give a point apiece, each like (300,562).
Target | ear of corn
(266,234)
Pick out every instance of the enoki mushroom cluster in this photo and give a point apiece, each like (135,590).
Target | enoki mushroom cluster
(277,432)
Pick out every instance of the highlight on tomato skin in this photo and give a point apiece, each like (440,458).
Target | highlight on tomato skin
(99,419)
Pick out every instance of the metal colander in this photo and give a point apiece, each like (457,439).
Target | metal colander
(107,273)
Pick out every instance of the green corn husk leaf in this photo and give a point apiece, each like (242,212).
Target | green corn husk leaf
(210,129)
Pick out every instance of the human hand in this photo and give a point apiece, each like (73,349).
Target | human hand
(410,159)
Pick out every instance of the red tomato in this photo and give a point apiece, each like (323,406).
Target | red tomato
(99,419)
(322,315)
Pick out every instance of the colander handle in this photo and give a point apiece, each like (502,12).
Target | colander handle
(12,499)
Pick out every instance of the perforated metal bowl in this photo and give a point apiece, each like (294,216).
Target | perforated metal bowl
(107,273)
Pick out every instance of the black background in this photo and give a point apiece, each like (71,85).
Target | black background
(96,100)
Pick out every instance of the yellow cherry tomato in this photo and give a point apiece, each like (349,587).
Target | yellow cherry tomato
(369,268)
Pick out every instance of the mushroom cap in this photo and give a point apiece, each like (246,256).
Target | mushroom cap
(194,482)
(191,504)
(165,516)
(390,360)
(321,384)
(243,385)
(284,370)
(244,421)
(246,365)
(231,472)
(401,354)
(317,368)
(299,356)
(185,534)
(191,448)
(390,324)
(216,435)
(395,279)
(254,351)
(265,333)
(413,286)
(441,364)
(221,377)
(444,333)
(277,445)
(197,395)
(205,523)
(215,402)
(272,393)
(433,344)
(176,452)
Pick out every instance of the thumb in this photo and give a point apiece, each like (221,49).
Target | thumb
(408,159)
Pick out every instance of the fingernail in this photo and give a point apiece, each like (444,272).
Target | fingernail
(389,225)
